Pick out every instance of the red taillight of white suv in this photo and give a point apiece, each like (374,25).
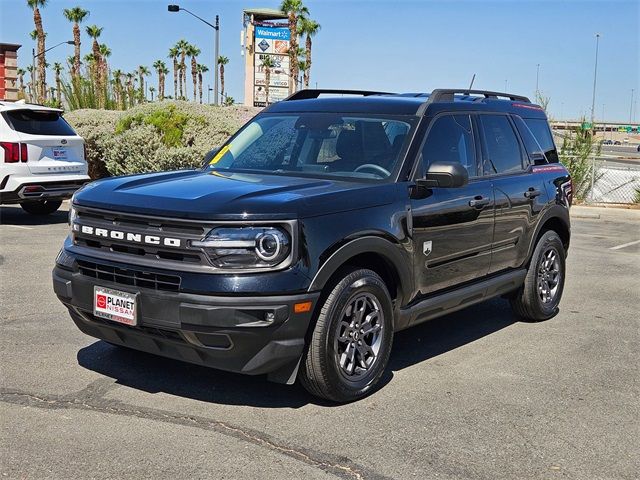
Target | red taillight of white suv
(14,152)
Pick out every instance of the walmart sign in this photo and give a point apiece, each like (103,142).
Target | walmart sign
(274,33)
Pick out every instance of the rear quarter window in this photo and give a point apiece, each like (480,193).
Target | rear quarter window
(540,129)
(34,122)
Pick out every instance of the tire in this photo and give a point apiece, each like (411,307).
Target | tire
(333,366)
(42,207)
(540,294)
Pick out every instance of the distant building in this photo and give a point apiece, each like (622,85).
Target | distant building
(9,71)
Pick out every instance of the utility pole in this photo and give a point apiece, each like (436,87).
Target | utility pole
(593,108)
(537,78)
(217,54)
(595,79)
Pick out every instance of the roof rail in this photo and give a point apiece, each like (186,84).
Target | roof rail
(446,95)
(315,93)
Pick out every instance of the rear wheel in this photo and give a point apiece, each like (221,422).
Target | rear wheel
(352,338)
(42,207)
(540,295)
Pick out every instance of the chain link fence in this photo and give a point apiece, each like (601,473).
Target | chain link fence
(615,184)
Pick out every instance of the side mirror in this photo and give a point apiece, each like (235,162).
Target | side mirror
(444,175)
(209,156)
(538,158)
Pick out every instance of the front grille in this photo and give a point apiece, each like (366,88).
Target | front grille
(129,276)
(139,251)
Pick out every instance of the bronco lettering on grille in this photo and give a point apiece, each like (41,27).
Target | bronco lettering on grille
(127,236)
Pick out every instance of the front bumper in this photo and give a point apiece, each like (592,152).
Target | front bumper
(225,332)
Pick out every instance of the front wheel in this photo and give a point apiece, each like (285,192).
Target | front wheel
(351,342)
(540,295)
(41,207)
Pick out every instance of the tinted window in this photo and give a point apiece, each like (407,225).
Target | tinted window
(450,139)
(503,149)
(38,122)
(530,142)
(540,130)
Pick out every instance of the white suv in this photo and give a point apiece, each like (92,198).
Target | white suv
(42,160)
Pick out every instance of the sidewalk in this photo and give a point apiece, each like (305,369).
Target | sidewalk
(612,212)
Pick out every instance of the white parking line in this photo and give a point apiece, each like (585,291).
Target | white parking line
(19,226)
(618,247)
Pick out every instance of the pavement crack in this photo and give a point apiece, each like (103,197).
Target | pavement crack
(92,398)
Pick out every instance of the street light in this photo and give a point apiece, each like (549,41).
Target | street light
(34,56)
(537,78)
(216,27)
(631,107)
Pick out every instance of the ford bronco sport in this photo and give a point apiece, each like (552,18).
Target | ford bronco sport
(327,223)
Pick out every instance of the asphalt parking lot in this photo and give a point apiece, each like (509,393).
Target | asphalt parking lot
(474,395)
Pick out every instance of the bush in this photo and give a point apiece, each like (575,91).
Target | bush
(154,137)
(576,153)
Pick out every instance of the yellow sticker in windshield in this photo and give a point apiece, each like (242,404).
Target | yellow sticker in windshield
(220,154)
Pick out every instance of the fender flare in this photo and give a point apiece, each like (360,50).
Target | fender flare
(390,251)
(555,211)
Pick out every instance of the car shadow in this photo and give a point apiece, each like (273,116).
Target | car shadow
(14,215)
(153,374)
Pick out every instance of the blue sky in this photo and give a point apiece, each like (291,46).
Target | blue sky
(392,45)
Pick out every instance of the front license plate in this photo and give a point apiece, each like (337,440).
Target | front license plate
(59,153)
(115,305)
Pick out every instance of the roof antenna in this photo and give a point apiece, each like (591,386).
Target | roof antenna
(472,80)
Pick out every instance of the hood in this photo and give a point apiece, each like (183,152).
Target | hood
(215,195)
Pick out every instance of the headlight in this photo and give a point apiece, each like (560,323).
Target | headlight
(72,213)
(246,247)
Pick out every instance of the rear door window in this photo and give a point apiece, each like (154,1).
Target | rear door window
(503,152)
(539,127)
(38,122)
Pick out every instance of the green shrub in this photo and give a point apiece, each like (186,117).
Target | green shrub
(155,136)
(167,121)
(576,153)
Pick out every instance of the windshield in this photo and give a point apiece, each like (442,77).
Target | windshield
(319,144)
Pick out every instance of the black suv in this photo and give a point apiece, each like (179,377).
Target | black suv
(321,228)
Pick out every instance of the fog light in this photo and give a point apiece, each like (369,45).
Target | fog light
(269,317)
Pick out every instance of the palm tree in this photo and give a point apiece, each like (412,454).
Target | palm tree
(21,72)
(117,87)
(222,61)
(309,28)
(42,70)
(267,65)
(182,46)
(161,70)
(173,55)
(94,32)
(201,69)
(193,52)
(57,69)
(31,85)
(152,89)
(76,15)
(293,9)
(105,52)
(143,72)
(130,87)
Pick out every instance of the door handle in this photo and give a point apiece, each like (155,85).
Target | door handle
(532,193)
(479,201)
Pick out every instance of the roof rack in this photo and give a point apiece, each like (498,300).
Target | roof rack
(315,93)
(447,95)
